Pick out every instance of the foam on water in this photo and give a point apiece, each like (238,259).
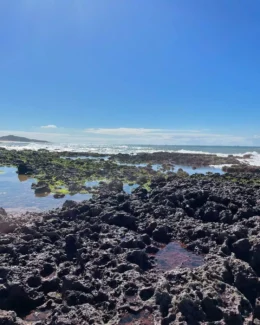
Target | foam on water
(253,161)
(201,152)
(220,166)
(134,149)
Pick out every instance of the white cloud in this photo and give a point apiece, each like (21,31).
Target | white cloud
(137,132)
(50,126)
(120,131)
(146,136)
(164,136)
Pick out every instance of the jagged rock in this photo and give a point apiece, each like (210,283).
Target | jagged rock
(69,204)
(241,248)
(7,317)
(58,196)
(140,258)
(160,234)
(25,169)
(41,188)
(3,213)
(116,186)
(97,262)
(120,219)
(146,293)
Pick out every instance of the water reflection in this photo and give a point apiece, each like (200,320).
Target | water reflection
(174,168)
(129,188)
(23,178)
(175,255)
(44,194)
(16,193)
(92,183)
(200,170)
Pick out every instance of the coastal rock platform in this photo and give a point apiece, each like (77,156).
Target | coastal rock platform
(187,252)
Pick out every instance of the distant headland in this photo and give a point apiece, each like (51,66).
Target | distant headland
(13,138)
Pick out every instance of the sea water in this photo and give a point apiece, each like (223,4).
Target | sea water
(222,151)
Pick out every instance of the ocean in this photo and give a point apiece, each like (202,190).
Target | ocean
(134,149)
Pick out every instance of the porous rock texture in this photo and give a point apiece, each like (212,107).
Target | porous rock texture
(95,262)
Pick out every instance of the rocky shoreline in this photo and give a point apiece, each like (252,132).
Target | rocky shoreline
(64,173)
(188,159)
(98,261)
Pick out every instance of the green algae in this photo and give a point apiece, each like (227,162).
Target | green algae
(55,190)
(147,186)
(62,175)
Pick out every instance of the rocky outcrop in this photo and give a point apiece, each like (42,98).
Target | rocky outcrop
(186,159)
(97,262)
(41,188)
(242,169)
(3,213)
(24,169)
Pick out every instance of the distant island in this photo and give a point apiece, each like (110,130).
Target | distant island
(13,138)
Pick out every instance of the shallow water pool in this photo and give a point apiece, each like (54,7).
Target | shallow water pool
(129,188)
(86,157)
(174,168)
(175,255)
(199,170)
(16,193)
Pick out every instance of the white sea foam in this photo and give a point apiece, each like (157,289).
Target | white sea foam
(128,149)
(220,166)
(202,152)
(253,161)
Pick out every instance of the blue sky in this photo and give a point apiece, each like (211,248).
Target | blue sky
(149,71)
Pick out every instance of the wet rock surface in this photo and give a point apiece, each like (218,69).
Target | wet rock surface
(242,168)
(195,160)
(98,261)
(69,173)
